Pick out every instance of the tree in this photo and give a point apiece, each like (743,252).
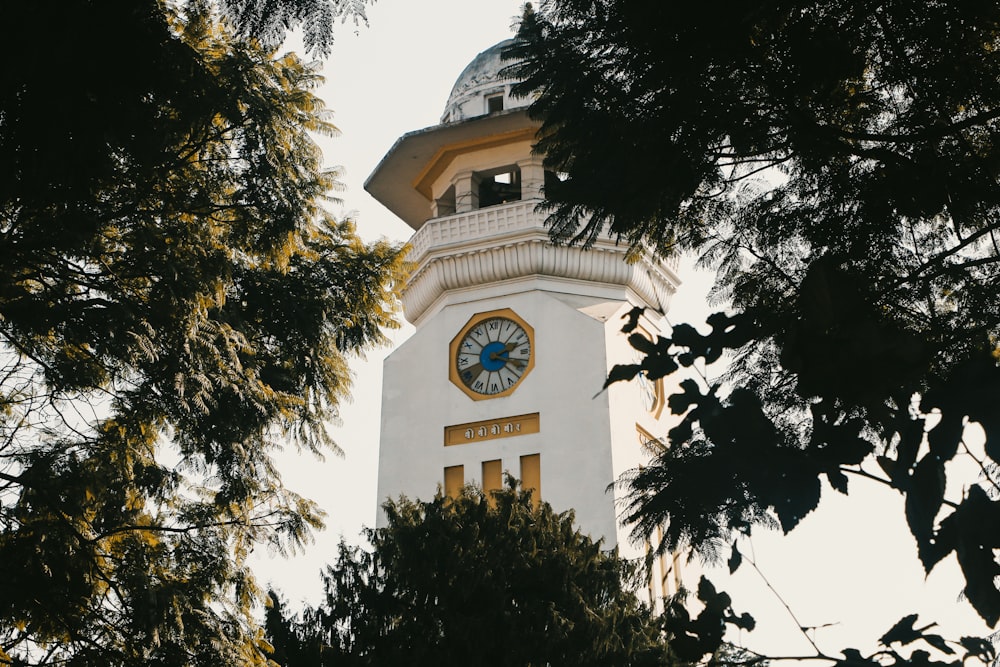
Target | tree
(473,580)
(836,162)
(269,20)
(175,302)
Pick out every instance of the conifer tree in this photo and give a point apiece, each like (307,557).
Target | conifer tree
(474,580)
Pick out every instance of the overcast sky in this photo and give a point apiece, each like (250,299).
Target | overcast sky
(852,564)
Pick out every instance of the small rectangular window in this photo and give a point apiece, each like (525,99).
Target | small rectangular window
(454,480)
(494,103)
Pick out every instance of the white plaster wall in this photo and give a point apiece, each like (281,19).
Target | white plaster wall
(575,436)
(628,410)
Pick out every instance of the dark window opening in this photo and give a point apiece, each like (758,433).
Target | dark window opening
(494,103)
(499,187)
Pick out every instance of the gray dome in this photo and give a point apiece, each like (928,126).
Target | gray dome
(480,89)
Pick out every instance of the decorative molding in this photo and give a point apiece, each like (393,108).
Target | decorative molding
(510,241)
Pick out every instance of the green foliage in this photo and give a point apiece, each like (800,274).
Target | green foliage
(269,20)
(837,163)
(694,638)
(175,302)
(473,581)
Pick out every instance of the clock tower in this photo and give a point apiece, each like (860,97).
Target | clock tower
(514,335)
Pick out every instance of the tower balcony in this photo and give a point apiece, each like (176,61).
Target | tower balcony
(508,242)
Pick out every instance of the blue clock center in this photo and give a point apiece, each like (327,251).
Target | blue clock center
(494,356)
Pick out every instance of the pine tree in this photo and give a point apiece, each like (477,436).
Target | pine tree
(474,580)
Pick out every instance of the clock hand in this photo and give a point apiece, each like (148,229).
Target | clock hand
(473,371)
(506,350)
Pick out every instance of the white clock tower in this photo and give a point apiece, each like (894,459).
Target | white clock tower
(514,335)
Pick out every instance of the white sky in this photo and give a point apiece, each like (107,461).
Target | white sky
(851,564)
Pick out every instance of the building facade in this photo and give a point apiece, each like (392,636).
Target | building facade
(514,335)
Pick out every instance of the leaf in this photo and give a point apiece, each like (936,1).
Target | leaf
(974,529)
(923,501)
(838,480)
(687,336)
(902,632)
(725,333)
(892,470)
(978,647)
(690,395)
(744,621)
(853,658)
(621,372)
(938,642)
(658,366)
(945,437)
(735,560)
(798,495)
(641,343)
(633,319)
(910,437)
(706,591)
(840,444)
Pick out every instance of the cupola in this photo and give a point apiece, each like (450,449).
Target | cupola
(479,156)
(482,89)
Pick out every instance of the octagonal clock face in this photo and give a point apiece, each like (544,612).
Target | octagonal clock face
(491,354)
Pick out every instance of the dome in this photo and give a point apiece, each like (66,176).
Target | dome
(480,88)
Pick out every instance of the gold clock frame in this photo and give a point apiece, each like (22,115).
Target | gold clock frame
(474,321)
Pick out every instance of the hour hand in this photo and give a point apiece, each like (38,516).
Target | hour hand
(501,354)
(472,372)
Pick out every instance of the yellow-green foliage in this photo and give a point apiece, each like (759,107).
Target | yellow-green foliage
(174,302)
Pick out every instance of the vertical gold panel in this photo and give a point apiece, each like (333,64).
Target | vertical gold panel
(492,479)
(664,569)
(531,476)
(652,575)
(454,479)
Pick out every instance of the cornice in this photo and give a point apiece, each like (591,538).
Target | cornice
(510,242)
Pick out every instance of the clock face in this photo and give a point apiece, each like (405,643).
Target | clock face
(492,354)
